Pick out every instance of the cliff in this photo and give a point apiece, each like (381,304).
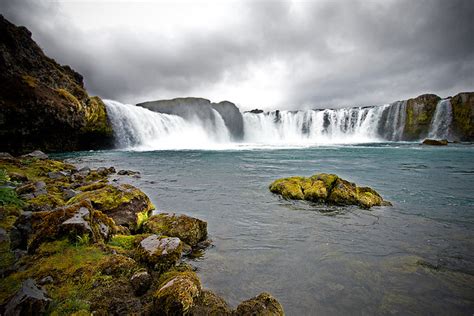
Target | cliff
(44,105)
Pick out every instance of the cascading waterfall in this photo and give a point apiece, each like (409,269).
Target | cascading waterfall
(142,129)
(441,123)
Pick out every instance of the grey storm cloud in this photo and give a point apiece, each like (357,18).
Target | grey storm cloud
(333,53)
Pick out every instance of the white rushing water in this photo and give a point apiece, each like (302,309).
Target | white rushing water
(141,129)
(441,123)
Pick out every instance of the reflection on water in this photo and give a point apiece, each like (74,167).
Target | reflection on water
(416,257)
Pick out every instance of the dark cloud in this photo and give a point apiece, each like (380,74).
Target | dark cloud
(332,53)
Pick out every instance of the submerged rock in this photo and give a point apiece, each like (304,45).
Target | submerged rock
(29,300)
(189,229)
(262,305)
(327,188)
(210,304)
(435,142)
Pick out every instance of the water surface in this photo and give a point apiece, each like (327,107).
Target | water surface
(416,257)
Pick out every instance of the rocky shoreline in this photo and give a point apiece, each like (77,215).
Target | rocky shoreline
(73,242)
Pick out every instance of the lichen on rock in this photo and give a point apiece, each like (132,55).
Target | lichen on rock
(326,188)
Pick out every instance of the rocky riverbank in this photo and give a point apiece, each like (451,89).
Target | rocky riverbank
(74,242)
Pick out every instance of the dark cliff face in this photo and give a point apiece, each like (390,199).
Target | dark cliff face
(190,108)
(44,105)
(463,116)
(419,113)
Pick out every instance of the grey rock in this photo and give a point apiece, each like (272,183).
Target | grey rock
(69,194)
(127,172)
(4,155)
(141,282)
(36,154)
(46,280)
(57,174)
(79,223)
(29,300)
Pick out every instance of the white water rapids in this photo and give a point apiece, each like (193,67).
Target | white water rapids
(138,128)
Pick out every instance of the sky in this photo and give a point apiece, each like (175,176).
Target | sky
(259,54)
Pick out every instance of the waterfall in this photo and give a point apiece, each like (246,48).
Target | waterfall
(441,123)
(203,125)
(142,129)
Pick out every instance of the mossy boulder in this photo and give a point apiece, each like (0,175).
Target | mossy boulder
(190,230)
(159,252)
(419,113)
(326,188)
(435,142)
(178,294)
(210,304)
(44,104)
(263,304)
(125,204)
(29,300)
(463,116)
(77,222)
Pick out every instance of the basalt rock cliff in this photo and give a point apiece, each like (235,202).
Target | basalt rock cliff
(44,105)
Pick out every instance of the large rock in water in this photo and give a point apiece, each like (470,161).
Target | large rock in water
(262,305)
(327,188)
(435,142)
(190,108)
(160,252)
(44,105)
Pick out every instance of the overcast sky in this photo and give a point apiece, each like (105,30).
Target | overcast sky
(266,54)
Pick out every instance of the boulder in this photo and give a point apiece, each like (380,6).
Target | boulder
(127,172)
(71,221)
(29,300)
(211,304)
(161,253)
(141,282)
(326,188)
(125,204)
(435,142)
(262,305)
(177,294)
(36,154)
(190,230)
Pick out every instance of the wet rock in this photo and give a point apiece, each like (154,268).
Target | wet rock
(29,300)
(69,194)
(36,154)
(160,252)
(57,175)
(327,188)
(435,142)
(125,204)
(141,282)
(127,172)
(177,294)
(46,280)
(209,303)
(40,188)
(263,304)
(190,230)
(105,171)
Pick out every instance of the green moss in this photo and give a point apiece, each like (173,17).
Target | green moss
(93,186)
(8,197)
(288,188)
(35,169)
(419,113)
(328,179)
(177,294)
(96,117)
(70,98)
(317,192)
(48,200)
(126,242)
